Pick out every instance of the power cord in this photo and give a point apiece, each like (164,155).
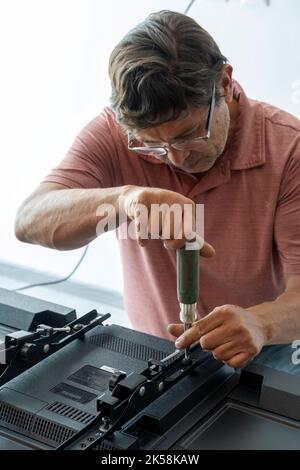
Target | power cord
(189,7)
(59,280)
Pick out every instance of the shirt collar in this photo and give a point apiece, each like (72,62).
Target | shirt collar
(246,149)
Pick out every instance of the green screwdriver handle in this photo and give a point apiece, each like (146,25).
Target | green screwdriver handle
(187,261)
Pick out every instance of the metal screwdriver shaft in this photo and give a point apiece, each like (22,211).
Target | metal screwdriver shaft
(187,260)
(187,349)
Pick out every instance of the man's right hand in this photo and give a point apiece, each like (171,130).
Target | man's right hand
(58,217)
(159,213)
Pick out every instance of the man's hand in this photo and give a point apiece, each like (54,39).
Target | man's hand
(234,335)
(162,214)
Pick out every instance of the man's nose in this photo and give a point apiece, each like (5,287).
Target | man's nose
(177,157)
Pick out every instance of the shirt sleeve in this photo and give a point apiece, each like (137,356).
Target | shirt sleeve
(287,217)
(90,161)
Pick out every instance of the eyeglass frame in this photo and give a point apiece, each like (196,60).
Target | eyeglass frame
(165,148)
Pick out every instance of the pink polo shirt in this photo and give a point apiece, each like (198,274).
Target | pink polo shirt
(252,212)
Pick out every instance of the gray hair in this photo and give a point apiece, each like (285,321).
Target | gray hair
(163,65)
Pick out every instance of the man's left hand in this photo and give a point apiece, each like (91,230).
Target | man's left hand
(233,334)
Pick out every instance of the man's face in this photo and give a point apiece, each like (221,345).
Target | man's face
(201,156)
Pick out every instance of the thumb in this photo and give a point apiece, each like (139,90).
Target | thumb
(207,250)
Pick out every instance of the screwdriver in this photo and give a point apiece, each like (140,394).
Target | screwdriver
(187,265)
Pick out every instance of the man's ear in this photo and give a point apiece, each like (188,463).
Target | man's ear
(226,82)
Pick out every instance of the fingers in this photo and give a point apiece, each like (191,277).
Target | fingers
(197,330)
(166,215)
(215,338)
(239,360)
(175,329)
(217,317)
(188,337)
(226,351)
(231,355)
(225,333)
(207,251)
(140,224)
(174,244)
(210,322)
(214,322)
(230,352)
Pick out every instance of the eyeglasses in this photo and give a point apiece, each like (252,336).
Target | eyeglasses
(182,144)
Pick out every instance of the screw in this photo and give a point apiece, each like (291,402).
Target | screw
(83,445)
(77,327)
(46,348)
(161,386)
(186,362)
(105,421)
(142,391)
(67,329)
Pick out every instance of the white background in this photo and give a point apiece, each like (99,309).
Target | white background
(53,80)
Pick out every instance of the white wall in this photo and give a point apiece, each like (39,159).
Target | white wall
(53,80)
(262,43)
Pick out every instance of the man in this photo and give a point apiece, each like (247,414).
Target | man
(181,131)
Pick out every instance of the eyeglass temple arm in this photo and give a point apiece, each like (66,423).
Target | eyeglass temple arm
(211,108)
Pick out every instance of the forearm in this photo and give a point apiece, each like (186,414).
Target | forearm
(280,318)
(65,219)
